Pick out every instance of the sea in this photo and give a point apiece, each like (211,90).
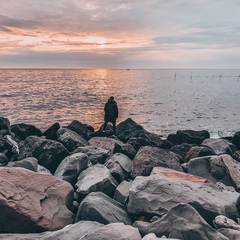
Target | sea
(162,101)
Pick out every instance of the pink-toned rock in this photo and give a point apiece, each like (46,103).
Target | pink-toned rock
(33,202)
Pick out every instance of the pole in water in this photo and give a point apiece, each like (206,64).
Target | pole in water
(220,76)
(191,77)
(238,77)
(175,76)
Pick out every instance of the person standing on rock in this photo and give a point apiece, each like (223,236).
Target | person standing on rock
(111,114)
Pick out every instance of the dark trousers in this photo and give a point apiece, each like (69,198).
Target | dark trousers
(114,126)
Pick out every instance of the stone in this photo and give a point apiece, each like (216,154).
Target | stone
(29,163)
(33,202)
(181,222)
(126,149)
(70,139)
(231,234)
(220,168)
(138,142)
(181,149)
(236,155)
(156,194)
(23,130)
(219,146)
(192,136)
(236,140)
(198,151)
(49,153)
(96,178)
(5,124)
(71,166)
(95,154)
(97,206)
(120,166)
(122,192)
(51,132)
(3,159)
(224,222)
(149,157)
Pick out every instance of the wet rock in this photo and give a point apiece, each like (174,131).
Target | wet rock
(51,132)
(149,157)
(192,136)
(33,202)
(71,166)
(219,146)
(96,178)
(99,207)
(23,130)
(70,139)
(95,154)
(49,153)
(181,222)
(164,188)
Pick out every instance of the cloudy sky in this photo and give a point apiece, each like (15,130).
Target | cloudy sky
(120,33)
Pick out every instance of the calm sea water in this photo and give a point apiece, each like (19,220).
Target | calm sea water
(162,101)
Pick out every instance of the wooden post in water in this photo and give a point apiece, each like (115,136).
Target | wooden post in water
(175,76)
(220,76)
(191,77)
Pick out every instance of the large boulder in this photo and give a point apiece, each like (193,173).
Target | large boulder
(71,166)
(126,149)
(51,132)
(95,154)
(181,149)
(5,124)
(192,136)
(221,168)
(70,139)
(130,129)
(23,130)
(99,207)
(96,178)
(236,140)
(164,188)
(181,222)
(149,157)
(198,151)
(120,166)
(49,153)
(219,146)
(33,202)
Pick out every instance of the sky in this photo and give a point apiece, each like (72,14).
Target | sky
(152,34)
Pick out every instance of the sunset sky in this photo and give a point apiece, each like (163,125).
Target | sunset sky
(120,33)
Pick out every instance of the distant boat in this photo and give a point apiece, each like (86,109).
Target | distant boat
(128,69)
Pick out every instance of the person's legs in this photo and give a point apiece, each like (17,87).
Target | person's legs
(114,127)
(104,126)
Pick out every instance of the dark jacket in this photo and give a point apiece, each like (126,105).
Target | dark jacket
(111,111)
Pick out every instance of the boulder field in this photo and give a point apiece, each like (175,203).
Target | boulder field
(74,183)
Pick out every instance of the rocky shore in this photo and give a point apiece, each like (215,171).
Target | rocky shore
(76,183)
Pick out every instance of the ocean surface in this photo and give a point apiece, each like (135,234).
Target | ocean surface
(162,101)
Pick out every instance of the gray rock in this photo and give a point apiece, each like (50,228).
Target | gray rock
(70,139)
(224,222)
(120,166)
(181,222)
(192,136)
(149,157)
(96,178)
(29,163)
(49,153)
(23,130)
(219,146)
(122,192)
(126,149)
(164,188)
(198,151)
(231,234)
(70,167)
(95,154)
(3,159)
(99,207)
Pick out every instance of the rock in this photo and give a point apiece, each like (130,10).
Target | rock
(95,154)
(48,152)
(3,159)
(224,222)
(32,202)
(120,166)
(164,188)
(126,149)
(70,139)
(192,136)
(231,234)
(5,124)
(114,231)
(149,157)
(152,236)
(29,163)
(181,149)
(43,170)
(236,155)
(198,151)
(96,178)
(221,168)
(130,129)
(219,146)
(138,142)
(23,130)
(99,207)
(82,129)
(51,132)
(181,222)
(236,140)
(70,232)
(71,166)
(122,192)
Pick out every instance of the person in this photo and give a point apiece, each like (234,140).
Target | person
(111,114)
